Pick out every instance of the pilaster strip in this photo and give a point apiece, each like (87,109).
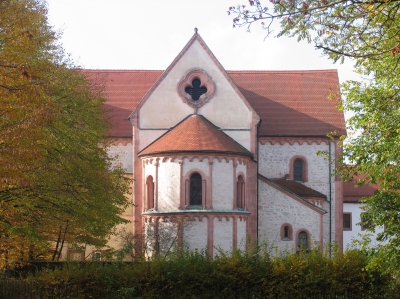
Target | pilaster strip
(210,235)
(181,186)
(234,230)
(209,190)
(234,204)
(156,164)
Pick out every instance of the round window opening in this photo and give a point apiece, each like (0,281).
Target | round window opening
(196,88)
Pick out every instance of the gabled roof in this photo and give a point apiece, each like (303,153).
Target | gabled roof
(290,103)
(195,134)
(298,188)
(292,194)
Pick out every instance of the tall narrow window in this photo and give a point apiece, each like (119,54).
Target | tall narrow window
(150,192)
(286,232)
(298,170)
(346,221)
(240,192)
(303,240)
(195,190)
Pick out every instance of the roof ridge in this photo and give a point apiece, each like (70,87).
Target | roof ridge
(119,70)
(228,71)
(282,71)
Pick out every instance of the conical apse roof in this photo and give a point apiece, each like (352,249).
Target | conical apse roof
(195,134)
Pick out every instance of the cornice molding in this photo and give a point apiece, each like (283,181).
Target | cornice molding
(292,140)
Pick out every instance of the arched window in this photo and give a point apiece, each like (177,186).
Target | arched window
(150,192)
(286,232)
(298,170)
(240,195)
(303,240)
(196,189)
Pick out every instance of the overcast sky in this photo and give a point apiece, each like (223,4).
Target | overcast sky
(149,34)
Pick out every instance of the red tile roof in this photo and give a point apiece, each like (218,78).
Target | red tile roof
(290,103)
(123,91)
(297,188)
(195,134)
(353,193)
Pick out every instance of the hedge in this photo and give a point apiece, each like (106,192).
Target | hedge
(237,275)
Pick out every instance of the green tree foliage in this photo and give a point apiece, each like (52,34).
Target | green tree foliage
(368,33)
(54,167)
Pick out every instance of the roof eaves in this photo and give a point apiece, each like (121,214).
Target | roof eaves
(195,151)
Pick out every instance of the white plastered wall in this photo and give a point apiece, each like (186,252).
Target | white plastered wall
(241,137)
(195,234)
(168,185)
(356,233)
(195,164)
(223,234)
(148,136)
(167,237)
(276,209)
(222,187)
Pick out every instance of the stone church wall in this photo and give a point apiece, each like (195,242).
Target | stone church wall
(122,155)
(276,209)
(274,163)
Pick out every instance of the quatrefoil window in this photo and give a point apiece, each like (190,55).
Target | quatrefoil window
(196,88)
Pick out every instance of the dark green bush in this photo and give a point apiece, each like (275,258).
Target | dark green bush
(236,275)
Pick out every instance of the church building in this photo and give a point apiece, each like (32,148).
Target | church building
(222,158)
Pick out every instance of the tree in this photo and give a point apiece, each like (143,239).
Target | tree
(54,167)
(356,29)
(367,32)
